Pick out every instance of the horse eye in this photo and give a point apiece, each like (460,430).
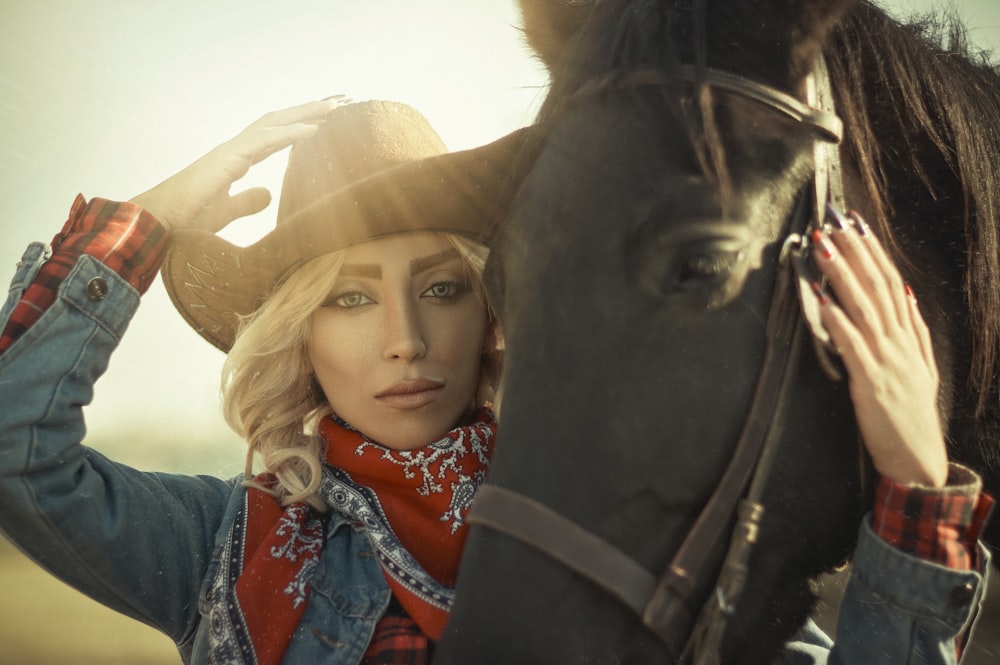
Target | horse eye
(710,267)
(704,275)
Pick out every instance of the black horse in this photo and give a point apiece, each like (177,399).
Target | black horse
(634,278)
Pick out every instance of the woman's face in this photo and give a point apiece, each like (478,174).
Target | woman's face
(397,344)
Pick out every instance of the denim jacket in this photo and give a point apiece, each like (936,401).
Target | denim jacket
(146,544)
(896,608)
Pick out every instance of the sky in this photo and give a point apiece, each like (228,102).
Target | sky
(107,98)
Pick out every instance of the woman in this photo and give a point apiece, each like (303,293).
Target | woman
(371,317)
(361,359)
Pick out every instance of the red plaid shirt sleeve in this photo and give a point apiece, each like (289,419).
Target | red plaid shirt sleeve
(938,525)
(122,236)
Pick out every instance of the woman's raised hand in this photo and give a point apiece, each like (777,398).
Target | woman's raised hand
(198,196)
(886,348)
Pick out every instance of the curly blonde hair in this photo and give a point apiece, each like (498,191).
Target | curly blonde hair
(270,397)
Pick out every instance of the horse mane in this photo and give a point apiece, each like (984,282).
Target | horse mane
(937,126)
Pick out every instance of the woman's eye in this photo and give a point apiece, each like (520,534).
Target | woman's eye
(349,300)
(443,290)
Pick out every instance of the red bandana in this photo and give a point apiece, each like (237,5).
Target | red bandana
(414,503)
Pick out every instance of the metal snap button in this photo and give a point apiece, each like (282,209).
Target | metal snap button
(961,595)
(97,289)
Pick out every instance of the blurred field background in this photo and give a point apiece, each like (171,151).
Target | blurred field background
(109,97)
(45,622)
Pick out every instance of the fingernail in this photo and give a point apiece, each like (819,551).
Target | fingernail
(834,217)
(820,293)
(909,291)
(822,245)
(862,227)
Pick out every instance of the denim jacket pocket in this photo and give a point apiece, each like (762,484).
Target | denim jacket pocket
(349,576)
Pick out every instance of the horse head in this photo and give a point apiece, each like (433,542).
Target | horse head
(634,278)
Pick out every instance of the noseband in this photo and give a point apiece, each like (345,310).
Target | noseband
(663,601)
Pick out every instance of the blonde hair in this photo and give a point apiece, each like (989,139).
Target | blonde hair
(270,397)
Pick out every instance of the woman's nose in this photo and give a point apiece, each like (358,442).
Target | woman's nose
(404,338)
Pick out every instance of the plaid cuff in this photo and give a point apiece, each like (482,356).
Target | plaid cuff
(123,236)
(937,525)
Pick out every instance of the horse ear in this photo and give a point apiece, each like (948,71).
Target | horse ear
(550,24)
(790,33)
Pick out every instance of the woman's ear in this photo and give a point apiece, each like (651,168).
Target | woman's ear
(491,360)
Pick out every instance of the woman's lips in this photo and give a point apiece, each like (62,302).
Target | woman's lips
(411,394)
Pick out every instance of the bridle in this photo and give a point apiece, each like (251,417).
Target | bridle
(662,601)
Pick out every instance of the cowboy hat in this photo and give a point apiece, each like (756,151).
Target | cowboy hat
(375,168)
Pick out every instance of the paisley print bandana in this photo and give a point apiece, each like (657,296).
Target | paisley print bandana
(413,505)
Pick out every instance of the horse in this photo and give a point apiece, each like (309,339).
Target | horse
(634,278)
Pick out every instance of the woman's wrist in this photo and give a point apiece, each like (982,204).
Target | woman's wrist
(938,524)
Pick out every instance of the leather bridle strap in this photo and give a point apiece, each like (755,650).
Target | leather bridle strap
(535,524)
(828,124)
(664,604)
(704,643)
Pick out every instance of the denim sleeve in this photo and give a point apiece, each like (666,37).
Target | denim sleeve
(896,608)
(135,541)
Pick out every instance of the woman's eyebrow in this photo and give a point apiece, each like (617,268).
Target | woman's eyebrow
(418,266)
(367,270)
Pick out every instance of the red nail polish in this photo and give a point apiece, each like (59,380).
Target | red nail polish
(824,247)
(909,291)
(820,293)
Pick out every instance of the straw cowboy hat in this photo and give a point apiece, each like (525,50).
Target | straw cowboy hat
(375,168)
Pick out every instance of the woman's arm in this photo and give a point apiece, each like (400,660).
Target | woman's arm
(131,242)
(915,607)
(917,576)
(138,542)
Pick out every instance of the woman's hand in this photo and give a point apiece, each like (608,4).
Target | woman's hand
(886,348)
(198,196)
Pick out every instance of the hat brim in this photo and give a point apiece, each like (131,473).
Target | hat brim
(214,283)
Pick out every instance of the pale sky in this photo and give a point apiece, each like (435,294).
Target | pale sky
(109,97)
